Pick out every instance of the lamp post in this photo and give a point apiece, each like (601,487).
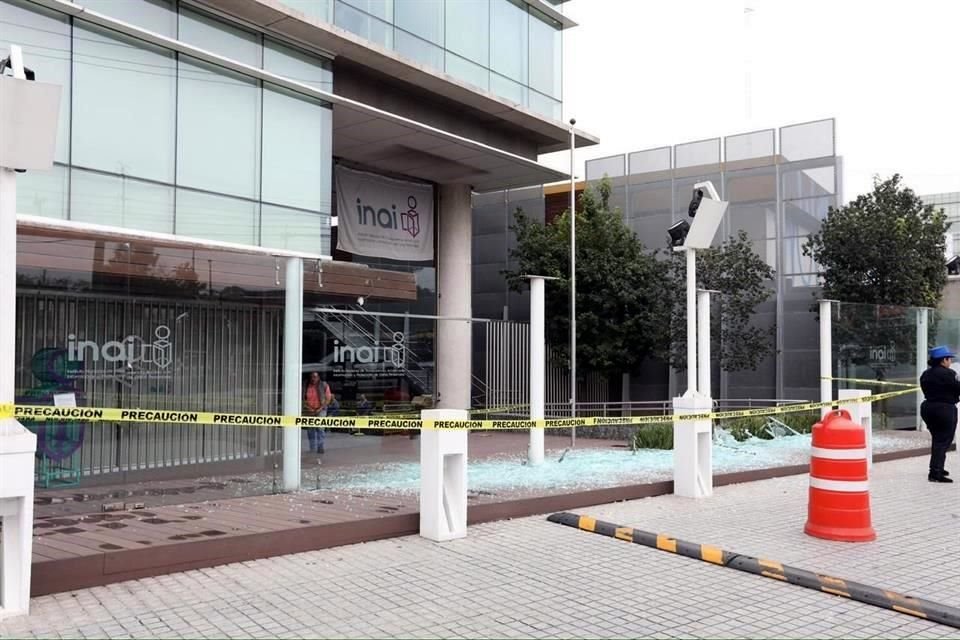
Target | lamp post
(692,439)
(573,284)
(29,112)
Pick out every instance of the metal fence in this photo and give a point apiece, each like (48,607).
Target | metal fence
(196,355)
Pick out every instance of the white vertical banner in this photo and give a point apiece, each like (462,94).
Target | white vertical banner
(383,217)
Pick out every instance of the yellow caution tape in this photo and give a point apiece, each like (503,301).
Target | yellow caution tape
(157,416)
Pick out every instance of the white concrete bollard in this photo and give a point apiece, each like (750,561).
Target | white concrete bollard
(17,449)
(861,413)
(693,449)
(443,478)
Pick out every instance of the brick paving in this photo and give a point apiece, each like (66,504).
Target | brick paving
(530,578)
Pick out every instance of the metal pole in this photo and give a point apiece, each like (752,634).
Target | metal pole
(538,353)
(922,322)
(573,285)
(691,321)
(292,358)
(826,354)
(8,293)
(703,347)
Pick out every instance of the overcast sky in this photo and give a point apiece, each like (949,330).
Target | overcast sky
(647,73)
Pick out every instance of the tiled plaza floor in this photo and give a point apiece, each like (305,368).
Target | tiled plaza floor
(531,578)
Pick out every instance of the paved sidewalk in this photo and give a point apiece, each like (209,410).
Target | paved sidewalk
(531,578)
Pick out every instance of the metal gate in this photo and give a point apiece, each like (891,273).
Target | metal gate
(113,351)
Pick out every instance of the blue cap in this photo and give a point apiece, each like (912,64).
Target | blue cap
(941,352)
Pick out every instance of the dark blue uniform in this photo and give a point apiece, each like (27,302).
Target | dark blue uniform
(941,391)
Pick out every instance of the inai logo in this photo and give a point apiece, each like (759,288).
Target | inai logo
(129,351)
(395,354)
(387,218)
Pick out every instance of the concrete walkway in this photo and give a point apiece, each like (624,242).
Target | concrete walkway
(531,578)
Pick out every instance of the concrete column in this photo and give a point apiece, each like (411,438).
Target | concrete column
(454,341)
(292,371)
(8,290)
(538,361)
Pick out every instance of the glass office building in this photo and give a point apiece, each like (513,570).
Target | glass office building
(510,48)
(196,151)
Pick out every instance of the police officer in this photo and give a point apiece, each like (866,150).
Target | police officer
(941,392)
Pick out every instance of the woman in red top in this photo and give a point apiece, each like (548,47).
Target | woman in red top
(315,404)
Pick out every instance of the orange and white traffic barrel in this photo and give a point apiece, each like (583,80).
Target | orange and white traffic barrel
(839,506)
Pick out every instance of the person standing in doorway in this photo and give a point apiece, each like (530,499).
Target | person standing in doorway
(941,392)
(315,405)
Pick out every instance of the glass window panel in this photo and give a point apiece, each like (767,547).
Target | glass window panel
(123,105)
(545,106)
(809,140)
(295,230)
(419,50)
(505,88)
(301,66)
(363,24)
(758,220)
(467,71)
(120,201)
(695,154)
(745,146)
(809,183)
(509,34)
(753,185)
(218,130)
(423,18)
(312,8)
(793,259)
(651,198)
(599,167)
(212,35)
(43,193)
(803,217)
(44,37)
(158,16)
(649,161)
(468,23)
(297,147)
(203,215)
(546,54)
(382,9)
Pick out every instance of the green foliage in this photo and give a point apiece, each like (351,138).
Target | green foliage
(654,436)
(886,250)
(630,303)
(742,279)
(660,435)
(620,317)
(886,247)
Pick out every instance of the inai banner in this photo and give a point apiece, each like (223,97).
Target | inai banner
(382,217)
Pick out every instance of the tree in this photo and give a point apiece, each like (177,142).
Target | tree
(886,247)
(741,278)
(886,250)
(621,318)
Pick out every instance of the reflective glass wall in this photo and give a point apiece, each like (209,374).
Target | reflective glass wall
(155,140)
(780,184)
(505,47)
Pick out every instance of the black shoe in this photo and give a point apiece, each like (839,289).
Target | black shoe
(939,478)
(320,450)
(945,472)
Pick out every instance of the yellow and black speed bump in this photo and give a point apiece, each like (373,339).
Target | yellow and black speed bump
(933,611)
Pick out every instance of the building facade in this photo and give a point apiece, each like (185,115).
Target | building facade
(199,148)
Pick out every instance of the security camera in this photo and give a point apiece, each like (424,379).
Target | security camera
(695,202)
(678,233)
(573,121)
(360,301)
